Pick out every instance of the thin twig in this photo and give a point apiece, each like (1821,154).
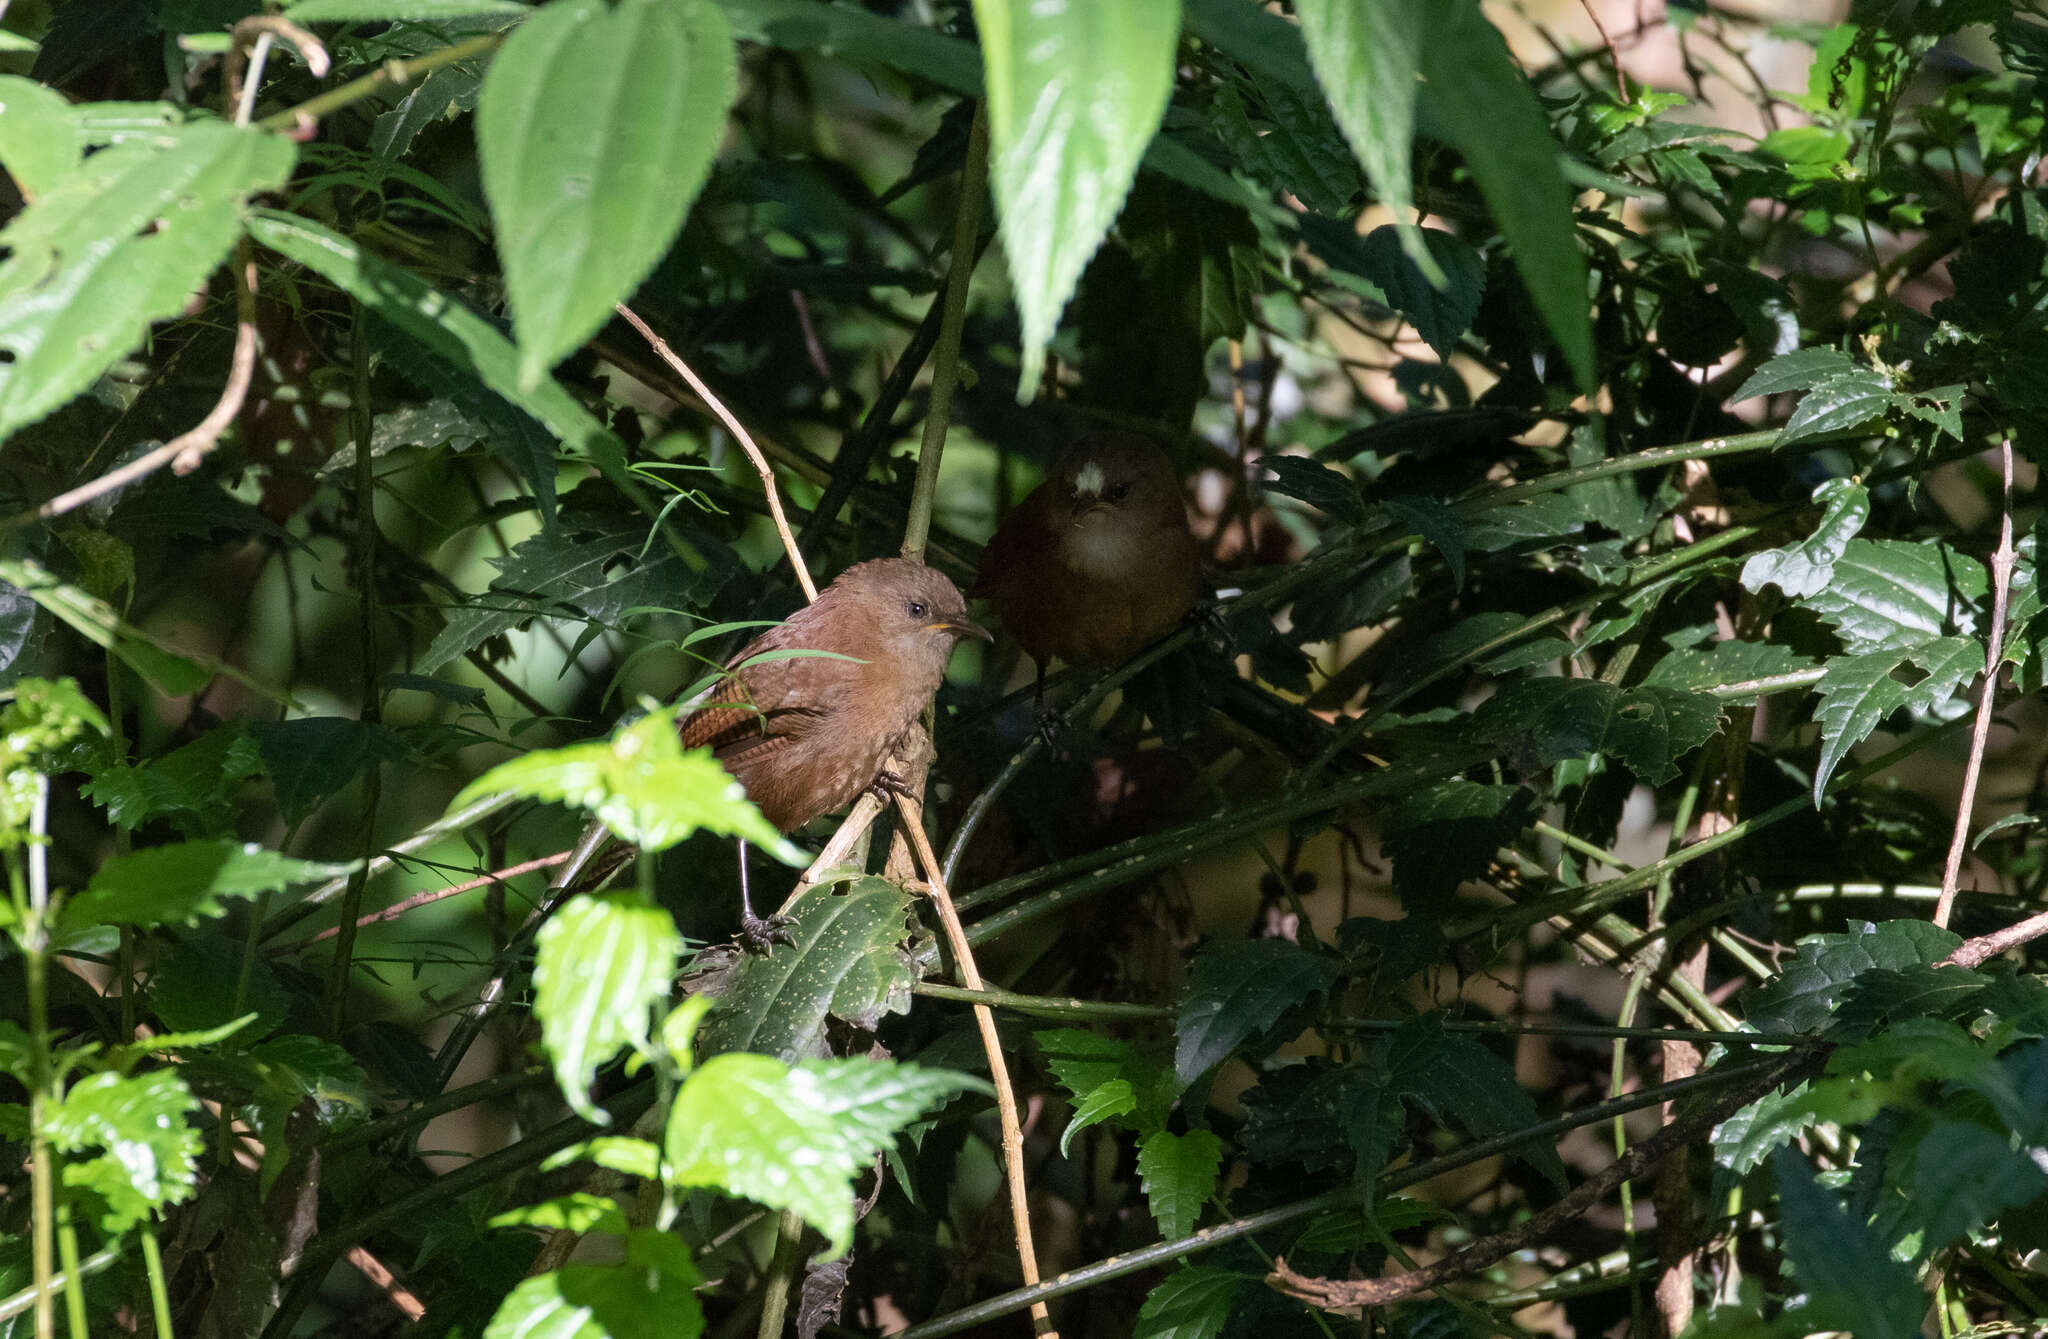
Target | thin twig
(2001,588)
(998,1070)
(259,31)
(183,452)
(946,359)
(391,72)
(1613,55)
(384,1281)
(740,434)
(1974,952)
(397,909)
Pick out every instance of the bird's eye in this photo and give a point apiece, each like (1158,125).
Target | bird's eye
(916,608)
(1117,492)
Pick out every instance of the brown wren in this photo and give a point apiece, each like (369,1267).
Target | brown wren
(805,735)
(1098,560)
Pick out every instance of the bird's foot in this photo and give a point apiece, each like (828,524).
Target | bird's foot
(1052,729)
(759,934)
(887,786)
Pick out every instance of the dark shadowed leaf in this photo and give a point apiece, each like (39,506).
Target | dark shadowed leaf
(1237,991)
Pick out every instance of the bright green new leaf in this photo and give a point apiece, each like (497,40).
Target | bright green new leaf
(39,140)
(596,127)
(1075,92)
(120,242)
(601,963)
(1178,1173)
(794,1138)
(651,1294)
(1105,1101)
(641,784)
(182,883)
(149,1147)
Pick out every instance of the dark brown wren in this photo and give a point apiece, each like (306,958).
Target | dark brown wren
(1098,560)
(805,735)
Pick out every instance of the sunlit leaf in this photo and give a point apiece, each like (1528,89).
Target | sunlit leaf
(1075,92)
(595,129)
(601,963)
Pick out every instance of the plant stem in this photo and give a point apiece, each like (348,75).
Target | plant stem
(946,358)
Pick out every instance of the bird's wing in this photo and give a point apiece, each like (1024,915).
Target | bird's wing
(755,708)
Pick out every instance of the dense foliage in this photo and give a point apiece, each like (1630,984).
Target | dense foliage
(1520,901)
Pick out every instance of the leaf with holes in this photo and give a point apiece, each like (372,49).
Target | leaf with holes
(595,128)
(1891,594)
(1648,728)
(1858,692)
(1075,93)
(116,244)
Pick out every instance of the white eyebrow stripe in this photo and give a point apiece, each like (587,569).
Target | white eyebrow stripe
(1088,479)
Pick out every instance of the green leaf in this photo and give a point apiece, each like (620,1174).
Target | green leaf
(602,576)
(97,621)
(1075,93)
(150,1146)
(39,140)
(1965,1177)
(1891,594)
(1463,1083)
(116,245)
(641,784)
(1839,403)
(793,1138)
(1858,692)
(312,757)
(1803,568)
(1441,836)
(600,964)
(579,1212)
(1487,109)
(1106,1101)
(194,786)
(1648,728)
(1368,59)
(444,326)
(1316,484)
(652,1294)
(1724,663)
(181,883)
(862,39)
(1178,1174)
(1802,996)
(847,962)
(596,127)
(1194,1302)
(1799,370)
(1441,311)
(1236,991)
(379,11)
(1851,1281)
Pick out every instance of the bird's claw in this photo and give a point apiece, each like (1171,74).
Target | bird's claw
(1052,730)
(759,934)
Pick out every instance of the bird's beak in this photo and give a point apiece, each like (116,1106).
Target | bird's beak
(961,627)
(1091,509)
